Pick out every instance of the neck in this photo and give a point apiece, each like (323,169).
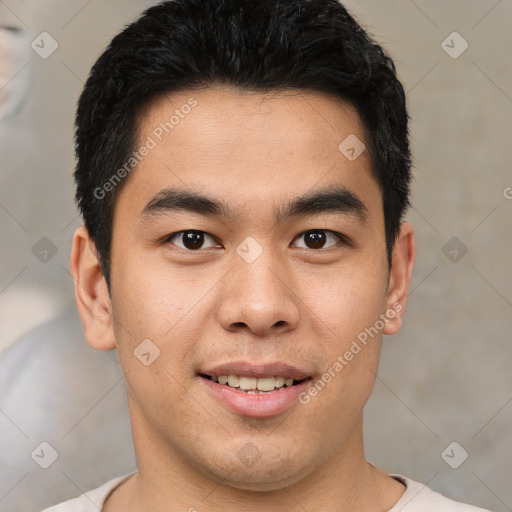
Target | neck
(166,480)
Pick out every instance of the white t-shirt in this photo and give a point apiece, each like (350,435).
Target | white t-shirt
(417,498)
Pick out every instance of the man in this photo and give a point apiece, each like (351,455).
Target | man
(243,171)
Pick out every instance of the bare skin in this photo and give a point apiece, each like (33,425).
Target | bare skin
(296,303)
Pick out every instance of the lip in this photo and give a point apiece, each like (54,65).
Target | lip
(248,369)
(255,405)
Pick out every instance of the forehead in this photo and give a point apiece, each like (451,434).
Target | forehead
(249,146)
(231,119)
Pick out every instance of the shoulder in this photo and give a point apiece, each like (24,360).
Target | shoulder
(92,501)
(420,498)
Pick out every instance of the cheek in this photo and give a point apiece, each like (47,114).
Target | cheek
(148,310)
(347,309)
(150,296)
(346,301)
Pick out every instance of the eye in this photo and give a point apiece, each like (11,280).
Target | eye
(316,238)
(191,240)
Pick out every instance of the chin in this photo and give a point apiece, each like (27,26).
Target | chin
(262,476)
(258,481)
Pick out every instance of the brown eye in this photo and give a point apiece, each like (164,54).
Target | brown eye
(316,238)
(191,240)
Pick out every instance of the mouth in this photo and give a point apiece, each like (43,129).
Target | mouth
(257,389)
(254,385)
(241,394)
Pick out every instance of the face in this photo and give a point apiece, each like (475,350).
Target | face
(262,278)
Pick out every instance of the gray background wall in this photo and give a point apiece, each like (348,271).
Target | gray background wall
(446,376)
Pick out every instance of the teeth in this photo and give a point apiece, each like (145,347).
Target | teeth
(279,381)
(247,383)
(252,384)
(266,383)
(233,381)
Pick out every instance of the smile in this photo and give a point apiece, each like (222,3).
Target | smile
(254,384)
(255,397)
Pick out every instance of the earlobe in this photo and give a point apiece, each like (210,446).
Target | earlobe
(91,292)
(404,256)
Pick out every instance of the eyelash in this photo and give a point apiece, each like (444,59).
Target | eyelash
(343,239)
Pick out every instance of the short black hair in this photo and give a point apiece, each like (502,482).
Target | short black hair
(260,46)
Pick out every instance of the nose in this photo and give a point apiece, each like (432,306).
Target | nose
(258,297)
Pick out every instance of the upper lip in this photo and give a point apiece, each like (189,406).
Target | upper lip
(248,369)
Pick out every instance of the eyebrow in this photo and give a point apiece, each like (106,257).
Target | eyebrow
(338,200)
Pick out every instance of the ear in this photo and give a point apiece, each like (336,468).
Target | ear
(402,263)
(91,292)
